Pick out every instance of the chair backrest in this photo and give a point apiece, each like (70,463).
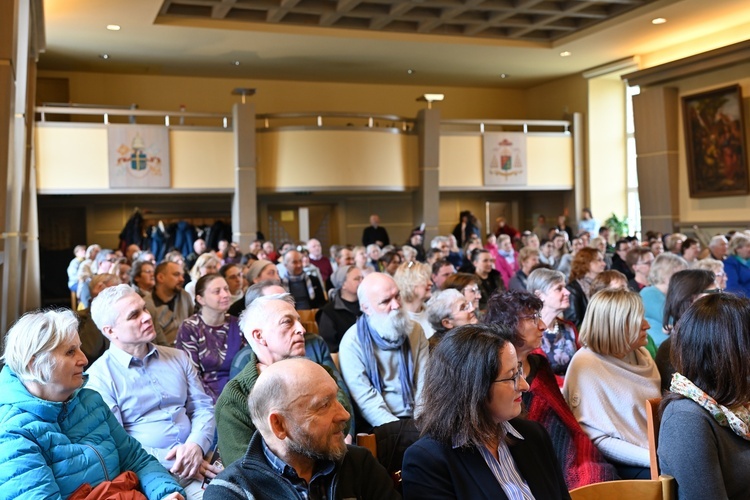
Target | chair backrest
(335,358)
(307,318)
(368,441)
(662,488)
(652,426)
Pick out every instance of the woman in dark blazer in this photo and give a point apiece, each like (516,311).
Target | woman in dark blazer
(472,444)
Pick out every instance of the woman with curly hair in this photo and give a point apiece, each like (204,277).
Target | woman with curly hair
(581,461)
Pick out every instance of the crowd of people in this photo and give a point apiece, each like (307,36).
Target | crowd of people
(515,365)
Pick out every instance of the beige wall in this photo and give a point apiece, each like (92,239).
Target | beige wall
(558,99)
(726,209)
(276,96)
(607,174)
(549,161)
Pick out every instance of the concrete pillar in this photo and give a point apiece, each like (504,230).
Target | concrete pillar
(427,197)
(656,137)
(245,199)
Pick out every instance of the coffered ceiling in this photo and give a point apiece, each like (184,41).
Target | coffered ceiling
(482,43)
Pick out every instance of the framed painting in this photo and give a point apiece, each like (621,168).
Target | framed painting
(715,143)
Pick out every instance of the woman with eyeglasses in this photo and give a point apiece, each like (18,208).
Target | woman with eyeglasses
(472,444)
(560,338)
(716,267)
(467,284)
(611,377)
(704,442)
(446,310)
(685,287)
(581,461)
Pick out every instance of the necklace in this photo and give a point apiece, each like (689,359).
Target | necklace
(555,329)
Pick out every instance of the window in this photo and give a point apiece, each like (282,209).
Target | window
(634,203)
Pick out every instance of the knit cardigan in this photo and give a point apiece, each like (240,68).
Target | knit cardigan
(608,397)
(582,463)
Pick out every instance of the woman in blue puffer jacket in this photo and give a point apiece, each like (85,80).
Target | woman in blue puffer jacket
(55,435)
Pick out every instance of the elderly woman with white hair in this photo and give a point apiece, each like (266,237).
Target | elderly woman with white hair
(414,281)
(655,296)
(560,338)
(56,436)
(449,309)
(737,265)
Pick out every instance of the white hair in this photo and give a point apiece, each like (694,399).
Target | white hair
(30,341)
(103,310)
(257,313)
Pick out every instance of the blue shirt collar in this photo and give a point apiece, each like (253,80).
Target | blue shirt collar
(509,429)
(126,359)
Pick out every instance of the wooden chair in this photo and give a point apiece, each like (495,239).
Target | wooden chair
(73,301)
(652,426)
(307,318)
(368,441)
(335,358)
(662,488)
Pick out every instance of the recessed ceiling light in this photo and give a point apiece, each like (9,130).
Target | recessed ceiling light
(564,53)
(504,75)
(104,56)
(410,71)
(658,20)
(235,63)
(113,27)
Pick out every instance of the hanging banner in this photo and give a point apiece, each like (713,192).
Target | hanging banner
(505,159)
(138,156)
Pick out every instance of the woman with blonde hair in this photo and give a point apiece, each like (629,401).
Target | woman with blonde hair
(655,296)
(611,377)
(414,281)
(737,265)
(207,263)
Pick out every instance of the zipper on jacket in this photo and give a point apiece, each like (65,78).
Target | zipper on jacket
(104,466)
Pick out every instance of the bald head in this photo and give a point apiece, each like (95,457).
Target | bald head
(288,395)
(378,293)
(293,262)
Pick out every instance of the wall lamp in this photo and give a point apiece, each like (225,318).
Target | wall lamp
(430,98)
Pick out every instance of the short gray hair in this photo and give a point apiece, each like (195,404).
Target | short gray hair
(437,240)
(543,279)
(103,310)
(664,266)
(709,264)
(30,341)
(256,291)
(440,307)
(256,313)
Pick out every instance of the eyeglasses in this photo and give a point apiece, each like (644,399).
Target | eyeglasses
(647,263)
(712,290)
(515,378)
(533,317)
(474,289)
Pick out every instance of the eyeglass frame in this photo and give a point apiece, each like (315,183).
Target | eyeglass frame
(536,317)
(514,378)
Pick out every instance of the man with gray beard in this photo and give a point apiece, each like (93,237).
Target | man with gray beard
(384,355)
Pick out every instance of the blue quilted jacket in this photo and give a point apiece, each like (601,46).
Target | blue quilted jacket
(48,449)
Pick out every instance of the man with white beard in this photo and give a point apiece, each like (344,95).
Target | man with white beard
(384,355)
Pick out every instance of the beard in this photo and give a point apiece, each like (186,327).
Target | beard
(307,445)
(391,326)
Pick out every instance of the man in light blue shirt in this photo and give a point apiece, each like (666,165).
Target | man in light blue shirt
(153,391)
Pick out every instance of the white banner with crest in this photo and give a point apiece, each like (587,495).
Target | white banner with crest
(505,159)
(138,156)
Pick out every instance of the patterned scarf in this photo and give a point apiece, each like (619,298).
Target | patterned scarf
(736,418)
(367,336)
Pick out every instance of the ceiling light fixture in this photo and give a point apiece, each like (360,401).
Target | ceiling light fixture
(658,20)
(565,53)
(409,71)
(113,27)
(430,98)
(235,63)
(244,92)
(104,56)
(504,75)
